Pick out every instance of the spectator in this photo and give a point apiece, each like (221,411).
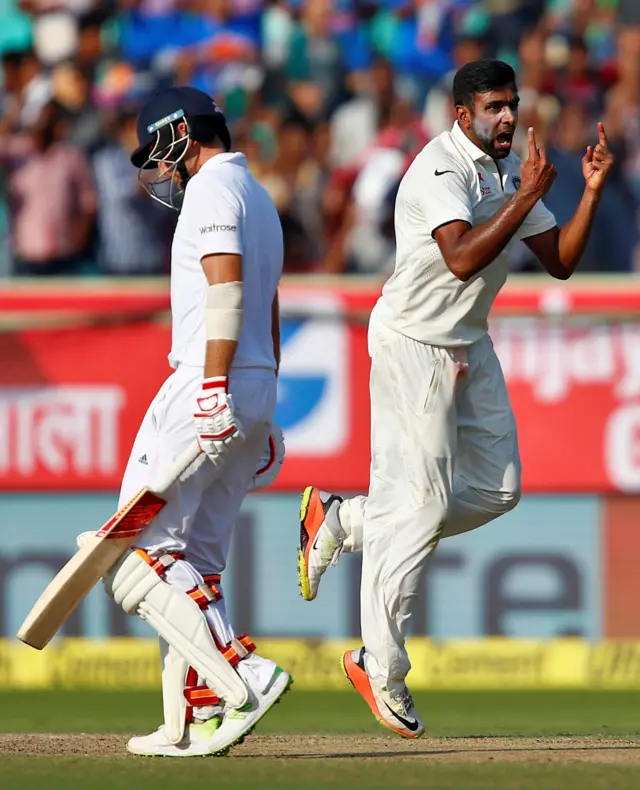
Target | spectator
(329,98)
(316,66)
(578,83)
(379,170)
(71,88)
(629,13)
(134,233)
(510,19)
(89,46)
(439,113)
(614,237)
(356,123)
(51,196)
(34,89)
(10,98)
(286,183)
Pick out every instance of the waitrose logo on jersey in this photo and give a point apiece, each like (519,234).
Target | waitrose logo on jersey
(216,229)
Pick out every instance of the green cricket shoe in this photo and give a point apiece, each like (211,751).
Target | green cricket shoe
(237,723)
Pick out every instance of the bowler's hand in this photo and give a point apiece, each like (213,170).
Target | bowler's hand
(537,174)
(597,162)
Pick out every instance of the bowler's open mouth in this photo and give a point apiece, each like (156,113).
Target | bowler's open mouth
(504,140)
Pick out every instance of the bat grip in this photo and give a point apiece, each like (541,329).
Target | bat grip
(166,479)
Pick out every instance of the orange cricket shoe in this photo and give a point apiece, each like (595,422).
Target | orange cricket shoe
(394,710)
(321,538)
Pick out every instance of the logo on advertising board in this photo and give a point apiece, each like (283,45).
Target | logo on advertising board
(539,572)
(312,385)
(64,430)
(582,384)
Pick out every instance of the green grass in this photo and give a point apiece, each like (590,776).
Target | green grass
(124,774)
(449,714)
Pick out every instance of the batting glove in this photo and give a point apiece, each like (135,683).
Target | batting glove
(217,427)
(270,462)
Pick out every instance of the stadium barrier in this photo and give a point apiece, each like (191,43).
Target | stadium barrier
(70,402)
(563,563)
(491,663)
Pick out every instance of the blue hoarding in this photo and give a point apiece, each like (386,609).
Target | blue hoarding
(535,572)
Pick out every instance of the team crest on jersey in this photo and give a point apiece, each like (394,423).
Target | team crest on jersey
(516,182)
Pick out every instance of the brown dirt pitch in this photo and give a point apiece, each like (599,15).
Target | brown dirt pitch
(361,747)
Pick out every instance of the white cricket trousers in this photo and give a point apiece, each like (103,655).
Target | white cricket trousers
(199,516)
(444,460)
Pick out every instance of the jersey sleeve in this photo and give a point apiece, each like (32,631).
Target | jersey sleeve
(443,194)
(216,221)
(538,220)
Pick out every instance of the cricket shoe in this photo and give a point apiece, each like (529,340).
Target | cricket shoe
(321,538)
(195,742)
(394,710)
(267,683)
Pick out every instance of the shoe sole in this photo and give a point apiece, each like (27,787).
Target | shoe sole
(363,687)
(240,739)
(303,574)
(220,753)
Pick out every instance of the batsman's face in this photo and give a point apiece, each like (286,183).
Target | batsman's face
(493,120)
(168,171)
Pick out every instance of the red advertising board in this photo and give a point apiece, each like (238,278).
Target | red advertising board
(80,365)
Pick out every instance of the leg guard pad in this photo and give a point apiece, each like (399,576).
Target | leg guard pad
(177,618)
(181,693)
(174,702)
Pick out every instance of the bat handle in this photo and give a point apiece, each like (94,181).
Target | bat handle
(167,478)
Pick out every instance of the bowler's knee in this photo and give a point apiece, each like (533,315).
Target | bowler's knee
(497,503)
(510,492)
(509,499)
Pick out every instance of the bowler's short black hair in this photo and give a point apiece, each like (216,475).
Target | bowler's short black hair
(480,76)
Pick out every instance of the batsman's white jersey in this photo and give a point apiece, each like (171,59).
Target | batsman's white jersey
(444,445)
(225,210)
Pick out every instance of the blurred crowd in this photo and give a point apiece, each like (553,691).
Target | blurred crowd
(329,99)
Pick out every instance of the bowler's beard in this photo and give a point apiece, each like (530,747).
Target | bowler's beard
(484,132)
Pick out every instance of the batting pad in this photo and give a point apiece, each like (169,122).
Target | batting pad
(174,674)
(178,619)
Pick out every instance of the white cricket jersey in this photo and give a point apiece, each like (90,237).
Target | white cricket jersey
(450,179)
(225,210)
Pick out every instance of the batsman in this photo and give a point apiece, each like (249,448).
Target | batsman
(444,447)
(226,264)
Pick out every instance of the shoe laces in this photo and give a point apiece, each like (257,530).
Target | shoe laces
(404,699)
(330,550)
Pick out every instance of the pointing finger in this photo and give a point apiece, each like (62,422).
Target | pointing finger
(533,151)
(602,136)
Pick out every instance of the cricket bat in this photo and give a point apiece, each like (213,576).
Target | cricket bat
(90,563)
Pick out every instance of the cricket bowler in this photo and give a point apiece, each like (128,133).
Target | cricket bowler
(226,263)
(444,448)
